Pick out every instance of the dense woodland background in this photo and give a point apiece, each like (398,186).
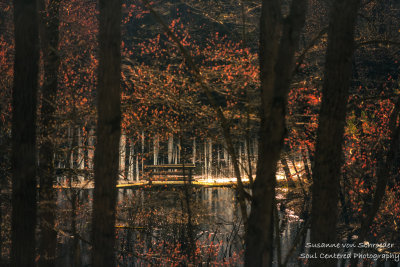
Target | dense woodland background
(92,91)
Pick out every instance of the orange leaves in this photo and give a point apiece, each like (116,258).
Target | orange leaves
(161,88)
(174,22)
(83,101)
(314,100)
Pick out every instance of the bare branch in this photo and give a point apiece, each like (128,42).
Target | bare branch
(208,91)
(378,42)
(313,42)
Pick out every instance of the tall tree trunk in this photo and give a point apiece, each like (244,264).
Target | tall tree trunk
(286,169)
(4,175)
(3,180)
(384,172)
(85,135)
(305,164)
(1,215)
(74,248)
(23,157)
(127,157)
(74,148)
(48,30)
(276,67)
(328,154)
(108,133)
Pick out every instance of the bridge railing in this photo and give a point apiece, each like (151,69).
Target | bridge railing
(169,172)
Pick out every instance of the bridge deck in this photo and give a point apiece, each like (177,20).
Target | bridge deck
(171,166)
(169,172)
(145,183)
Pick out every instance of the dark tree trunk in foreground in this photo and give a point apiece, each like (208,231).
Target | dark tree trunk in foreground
(23,157)
(276,68)
(4,141)
(48,29)
(106,162)
(385,171)
(328,154)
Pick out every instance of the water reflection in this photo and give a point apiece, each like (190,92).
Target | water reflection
(163,226)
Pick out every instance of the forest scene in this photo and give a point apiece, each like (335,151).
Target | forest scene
(200,133)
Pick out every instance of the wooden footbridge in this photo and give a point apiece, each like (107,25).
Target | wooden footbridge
(170,172)
(164,175)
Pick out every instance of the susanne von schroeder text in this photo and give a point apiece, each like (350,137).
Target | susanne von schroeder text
(345,245)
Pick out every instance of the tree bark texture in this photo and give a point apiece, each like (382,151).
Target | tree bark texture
(278,42)
(106,162)
(48,30)
(328,154)
(4,161)
(23,157)
(286,169)
(127,157)
(384,172)
(305,164)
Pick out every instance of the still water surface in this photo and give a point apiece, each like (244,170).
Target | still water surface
(156,226)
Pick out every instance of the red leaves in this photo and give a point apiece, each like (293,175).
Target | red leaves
(314,100)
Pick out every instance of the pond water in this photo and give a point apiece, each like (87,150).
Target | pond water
(164,226)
